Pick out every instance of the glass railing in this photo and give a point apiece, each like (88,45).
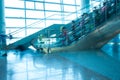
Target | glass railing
(88,22)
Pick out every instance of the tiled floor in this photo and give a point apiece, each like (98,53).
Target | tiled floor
(85,65)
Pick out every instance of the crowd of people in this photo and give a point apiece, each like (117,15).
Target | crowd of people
(89,21)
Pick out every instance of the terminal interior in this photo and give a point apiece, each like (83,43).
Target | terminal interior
(60,40)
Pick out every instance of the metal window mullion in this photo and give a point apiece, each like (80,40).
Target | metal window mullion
(25,18)
(44,12)
(62,11)
(76,9)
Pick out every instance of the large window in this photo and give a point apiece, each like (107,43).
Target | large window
(33,15)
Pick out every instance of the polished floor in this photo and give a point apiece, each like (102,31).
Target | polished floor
(80,65)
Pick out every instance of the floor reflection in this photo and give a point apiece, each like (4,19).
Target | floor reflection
(30,65)
(112,50)
(116,51)
(80,65)
(97,61)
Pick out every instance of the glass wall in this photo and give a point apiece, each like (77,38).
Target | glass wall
(25,17)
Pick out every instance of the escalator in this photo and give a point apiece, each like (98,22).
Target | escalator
(95,39)
(26,42)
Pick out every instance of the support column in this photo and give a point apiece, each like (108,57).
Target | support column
(3,60)
(3,68)
(84,4)
(2,24)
